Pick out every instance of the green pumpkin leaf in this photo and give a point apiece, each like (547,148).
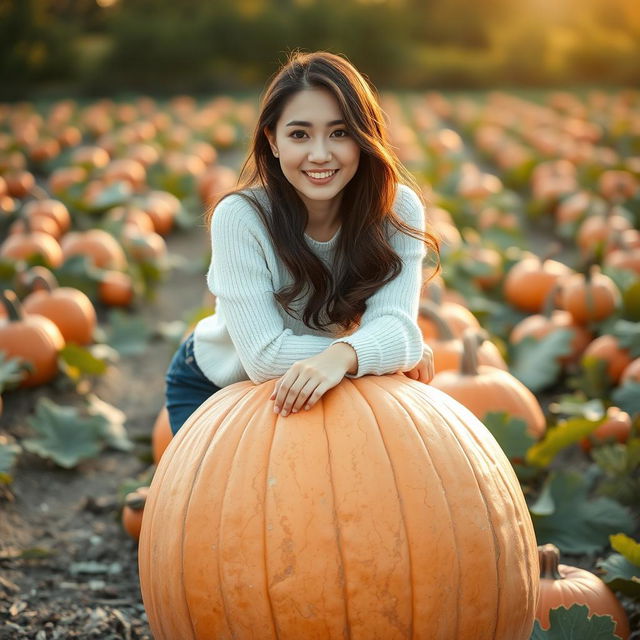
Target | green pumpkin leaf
(628,334)
(621,575)
(535,362)
(575,624)
(114,195)
(80,360)
(12,370)
(564,434)
(114,432)
(8,454)
(63,435)
(627,547)
(511,433)
(620,464)
(127,334)
(579,525)
(627,397)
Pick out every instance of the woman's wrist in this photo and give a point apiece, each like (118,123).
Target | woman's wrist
(347,354)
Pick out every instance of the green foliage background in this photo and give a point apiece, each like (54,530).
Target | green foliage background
(168,46)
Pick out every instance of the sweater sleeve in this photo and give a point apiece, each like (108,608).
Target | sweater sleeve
(240,278)
(388,338)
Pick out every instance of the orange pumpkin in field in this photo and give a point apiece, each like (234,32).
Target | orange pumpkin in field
(161,435)
(563,586)
(607,349)
(133,510)
(589,298)
(33,338)
(484,389)
(68,308)
(377,511)
(100,247)
(116,289)
(22,246)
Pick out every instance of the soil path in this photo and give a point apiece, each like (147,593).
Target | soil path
(67,569)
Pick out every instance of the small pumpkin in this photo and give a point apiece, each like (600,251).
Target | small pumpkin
(22,246)
(100,247)
(133,510)
(447,349)
(631,372)
(457,317)
(483,389)
(615,428)
(529,281)
(33,338)
(115,289)
(607,348)
(562,585)
(591,297)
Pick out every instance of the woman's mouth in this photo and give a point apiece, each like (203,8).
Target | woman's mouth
(320,177)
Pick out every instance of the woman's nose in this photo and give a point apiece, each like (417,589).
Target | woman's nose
(319,151)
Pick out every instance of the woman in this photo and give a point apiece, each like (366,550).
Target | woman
(317,257)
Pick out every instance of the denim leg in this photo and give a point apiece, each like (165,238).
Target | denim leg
(187,386)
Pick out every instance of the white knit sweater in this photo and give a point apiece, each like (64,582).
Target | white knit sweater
(251,337)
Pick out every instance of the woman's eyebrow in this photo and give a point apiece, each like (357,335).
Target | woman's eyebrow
(304,123)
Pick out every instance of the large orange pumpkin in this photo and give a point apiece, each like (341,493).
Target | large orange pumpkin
(385,511)
(563,586)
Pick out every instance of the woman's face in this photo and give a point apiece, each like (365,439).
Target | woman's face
(317,154)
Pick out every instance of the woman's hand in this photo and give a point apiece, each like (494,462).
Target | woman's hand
(424,370)
(307,380)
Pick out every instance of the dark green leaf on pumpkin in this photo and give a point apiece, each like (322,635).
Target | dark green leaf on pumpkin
(536,362)
(63,435)
(579,525)
(127,334)
(511,433)
(575,624)
(621,575)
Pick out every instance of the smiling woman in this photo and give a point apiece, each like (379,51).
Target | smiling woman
(317,255)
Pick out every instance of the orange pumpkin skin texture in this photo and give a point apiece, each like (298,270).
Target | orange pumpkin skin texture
(484,388)
(100,247)
(529,282)
(69,309)
(161,435)
(562,586)
(21,246)
(116,289)
(375,514)
(33,338)
(589,300)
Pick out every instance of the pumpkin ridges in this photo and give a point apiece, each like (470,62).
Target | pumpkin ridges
(179,478)
(149,571)
(449,410)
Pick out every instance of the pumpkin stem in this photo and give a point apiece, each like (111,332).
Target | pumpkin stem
(12,305)
(137,499)
(429,310)
(39,281)
(549,557)
(550,301)
(471,340)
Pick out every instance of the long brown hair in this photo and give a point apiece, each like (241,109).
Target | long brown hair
(367,201)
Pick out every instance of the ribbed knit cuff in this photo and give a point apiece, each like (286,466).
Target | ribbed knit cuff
(369,356)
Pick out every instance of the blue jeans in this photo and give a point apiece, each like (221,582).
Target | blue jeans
(187,386)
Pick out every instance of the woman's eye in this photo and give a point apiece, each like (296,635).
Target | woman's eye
(298,135)
(340,133)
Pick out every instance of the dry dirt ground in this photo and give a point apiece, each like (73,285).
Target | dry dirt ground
(67,569)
